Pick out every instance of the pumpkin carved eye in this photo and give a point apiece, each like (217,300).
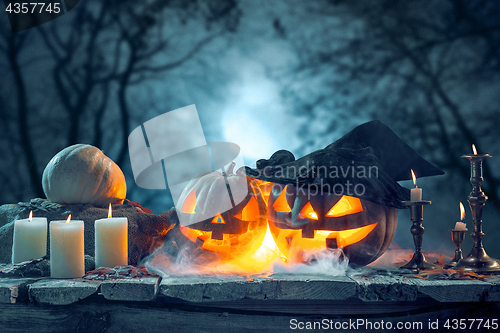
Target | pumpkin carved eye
(250,212)
(218,219)
(345,206)
(308,212)
(189,205)
(281,205)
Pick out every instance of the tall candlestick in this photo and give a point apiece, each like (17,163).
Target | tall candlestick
(477,261)
(415,193)
(66,249)
(30,239)
(111,241)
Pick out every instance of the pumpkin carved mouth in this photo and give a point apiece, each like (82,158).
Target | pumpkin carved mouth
(323,238)
(343,237)
(302,223)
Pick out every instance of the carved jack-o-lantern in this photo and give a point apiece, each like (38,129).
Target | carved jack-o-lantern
(226,229)
(301,223)
(362,226)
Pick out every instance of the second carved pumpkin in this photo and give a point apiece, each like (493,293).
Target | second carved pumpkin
(301,223)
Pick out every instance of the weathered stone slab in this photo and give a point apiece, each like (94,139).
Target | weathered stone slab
(14,290)
(35,268)
(453,290)
(62,291)
(278,286)
(30,268)
(295,286)
(493,293)
(384,288)
(136,289)
(204,288)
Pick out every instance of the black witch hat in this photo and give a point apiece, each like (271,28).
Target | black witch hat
(366,163)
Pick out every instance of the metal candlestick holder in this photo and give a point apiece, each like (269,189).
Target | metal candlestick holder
(418,261)
(477,261)
(457,237)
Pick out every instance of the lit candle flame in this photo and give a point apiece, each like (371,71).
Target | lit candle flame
(69,218)
(110,214)
(414,178)
(462,212)
(30,217)
(474,149)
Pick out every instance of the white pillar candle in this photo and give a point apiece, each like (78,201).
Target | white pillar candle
(30,239)
(66,249)
(415,193)
(111,241)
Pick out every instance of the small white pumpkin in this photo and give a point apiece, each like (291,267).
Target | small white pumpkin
(83,174)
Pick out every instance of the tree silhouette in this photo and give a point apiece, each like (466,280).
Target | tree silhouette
(88,64)
(429,69)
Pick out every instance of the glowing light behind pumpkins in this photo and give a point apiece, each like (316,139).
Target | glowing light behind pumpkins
(255,117)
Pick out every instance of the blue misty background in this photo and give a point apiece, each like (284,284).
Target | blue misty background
(292,75)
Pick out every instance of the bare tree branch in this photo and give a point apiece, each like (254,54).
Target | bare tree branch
(15,45)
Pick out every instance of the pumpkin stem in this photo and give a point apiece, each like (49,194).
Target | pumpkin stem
(230,169)
(241,172)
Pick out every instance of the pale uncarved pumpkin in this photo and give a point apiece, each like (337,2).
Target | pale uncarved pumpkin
(83,174)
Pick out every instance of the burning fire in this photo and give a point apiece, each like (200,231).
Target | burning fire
(259,257)
(462,212)
(474,149)
(262,255)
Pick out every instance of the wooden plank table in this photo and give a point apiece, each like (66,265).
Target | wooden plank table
(239,304)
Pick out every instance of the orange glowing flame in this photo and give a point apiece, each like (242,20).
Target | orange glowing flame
(265,252)
(30,217)
(474,149)
(258,257)
(414,178)
(110,213)
(235,254)
(261,256)
(462,212)
(69,218)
